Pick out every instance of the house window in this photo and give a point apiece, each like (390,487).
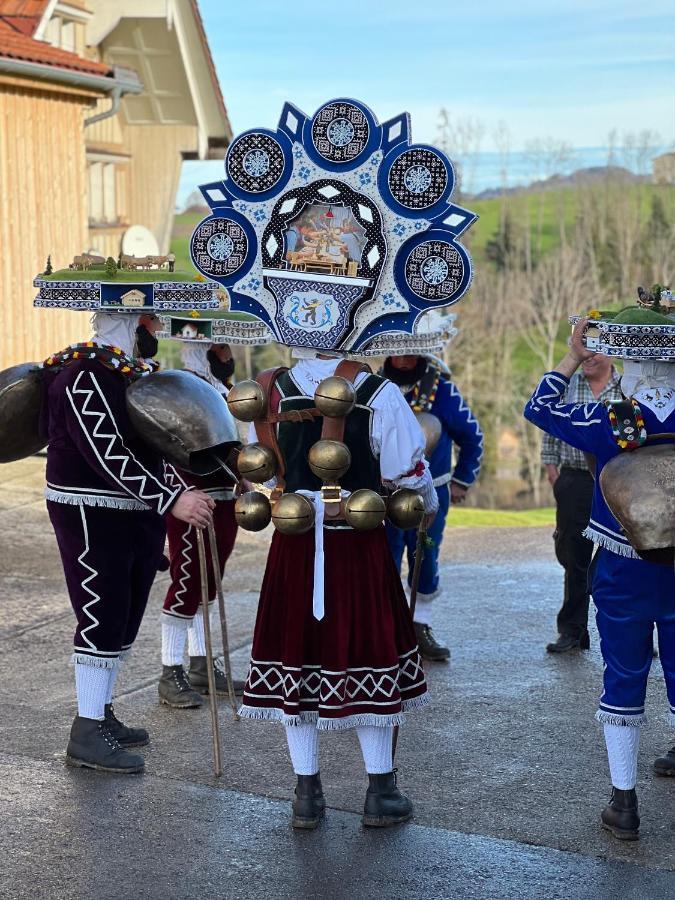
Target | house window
(102,194)
(64,33)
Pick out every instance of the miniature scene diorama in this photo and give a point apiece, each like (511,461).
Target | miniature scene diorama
(334,229)
(130,283)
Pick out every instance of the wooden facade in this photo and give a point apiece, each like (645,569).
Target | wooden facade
(43,210)
(70,185)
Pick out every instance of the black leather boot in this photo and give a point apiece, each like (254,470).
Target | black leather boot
(620,816)
(93,746)
(309,806)
(199,678)
(175,689)
(429,647)
(567,642)
(125,736)
(665,765)
(385,805)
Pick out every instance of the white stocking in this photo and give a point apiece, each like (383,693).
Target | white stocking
(376,748)
(623,743)
(303,745)
(91,684)
(173,642)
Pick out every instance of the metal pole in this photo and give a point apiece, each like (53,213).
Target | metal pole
(223,620)
(213,699)
(417,568)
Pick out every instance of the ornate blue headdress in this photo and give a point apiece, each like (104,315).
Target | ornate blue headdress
(334,230)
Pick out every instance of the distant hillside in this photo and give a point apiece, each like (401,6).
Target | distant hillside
(589,176)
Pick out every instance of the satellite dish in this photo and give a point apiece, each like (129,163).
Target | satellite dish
(139,241)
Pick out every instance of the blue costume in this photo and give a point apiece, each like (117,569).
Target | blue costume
(631,595)
(458,425)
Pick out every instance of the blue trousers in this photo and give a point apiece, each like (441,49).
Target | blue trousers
(631,597)
(400,540)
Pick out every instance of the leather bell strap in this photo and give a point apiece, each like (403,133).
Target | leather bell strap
(318,604)
(334,426)
(265,428)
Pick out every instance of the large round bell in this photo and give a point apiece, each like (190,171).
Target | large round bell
(639,488)
(364,510)
(256,463)
(20,398)
(329,460)
(405,508)
(246,401)
(293,514)
(335,396)
(253,511)
(432,428)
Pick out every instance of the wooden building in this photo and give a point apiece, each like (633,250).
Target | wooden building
(100,102)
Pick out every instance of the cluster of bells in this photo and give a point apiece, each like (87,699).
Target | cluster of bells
(293,513)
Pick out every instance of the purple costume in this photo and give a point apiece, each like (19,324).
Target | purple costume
(106,499)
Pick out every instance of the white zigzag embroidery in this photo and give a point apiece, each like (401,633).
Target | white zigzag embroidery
(471,419)
(125,459)
(85,609)
(183,580)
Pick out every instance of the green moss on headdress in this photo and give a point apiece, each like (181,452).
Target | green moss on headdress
(637,315)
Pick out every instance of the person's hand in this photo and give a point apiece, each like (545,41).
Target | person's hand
(428,521)
(577,348)
(243,487)
(552,473)
(194,507)
(457,492)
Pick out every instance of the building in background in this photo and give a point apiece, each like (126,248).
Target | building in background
(663,168)
(100,102)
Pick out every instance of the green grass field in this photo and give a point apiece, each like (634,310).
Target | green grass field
(123,276)
(466,517)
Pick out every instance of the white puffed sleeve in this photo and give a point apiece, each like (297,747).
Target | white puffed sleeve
(398,440)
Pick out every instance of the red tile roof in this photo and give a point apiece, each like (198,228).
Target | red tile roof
(15,44)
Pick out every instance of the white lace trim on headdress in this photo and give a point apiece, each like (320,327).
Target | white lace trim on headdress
(652,384)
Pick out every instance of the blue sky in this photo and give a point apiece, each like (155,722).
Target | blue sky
(567,69)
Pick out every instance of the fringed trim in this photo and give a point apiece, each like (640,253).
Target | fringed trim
(93,500)
(416,702)
(125,654)
(324,724)
(427,598)
(609,543)
(671,717)
(607,718)
(96,662)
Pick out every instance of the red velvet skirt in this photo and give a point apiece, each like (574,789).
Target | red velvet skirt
(360,664)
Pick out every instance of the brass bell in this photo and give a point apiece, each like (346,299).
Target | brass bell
(257,463)
(246,401)
(335,396)
(432,428)
(329,460)
(364,510)
(253,511)
(293,514)
(405,508)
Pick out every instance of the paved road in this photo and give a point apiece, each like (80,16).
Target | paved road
(506,768)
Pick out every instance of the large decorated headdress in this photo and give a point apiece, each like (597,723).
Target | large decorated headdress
(334,230)
(191,328)
(645,332)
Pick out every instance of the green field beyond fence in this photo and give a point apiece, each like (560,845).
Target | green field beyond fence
(466,517)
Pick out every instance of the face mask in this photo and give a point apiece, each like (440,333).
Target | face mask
(222,370)
(147,344)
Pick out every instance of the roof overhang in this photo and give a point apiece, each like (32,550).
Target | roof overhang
(165,33)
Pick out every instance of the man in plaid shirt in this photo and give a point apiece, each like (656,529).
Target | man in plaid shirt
(572,485)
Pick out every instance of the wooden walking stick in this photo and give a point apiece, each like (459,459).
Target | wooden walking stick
(417,568)
(223,620)
(213,699)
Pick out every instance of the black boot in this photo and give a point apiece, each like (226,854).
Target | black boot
(429,647)
(199,678)
(620,816)
(567,642)
(125,736)
(665,765)
(309,806)
(385,805)
(175,689)
(92,745)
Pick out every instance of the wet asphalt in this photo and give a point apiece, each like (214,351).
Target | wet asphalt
(506,768)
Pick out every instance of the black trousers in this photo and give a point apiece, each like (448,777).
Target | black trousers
(573,493)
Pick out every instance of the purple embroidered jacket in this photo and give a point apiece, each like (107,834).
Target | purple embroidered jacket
(94,456)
